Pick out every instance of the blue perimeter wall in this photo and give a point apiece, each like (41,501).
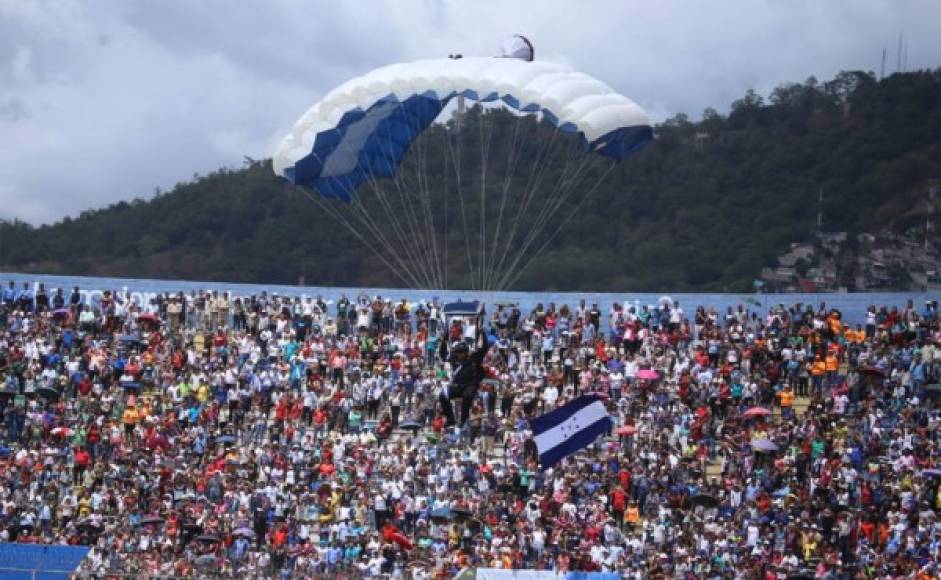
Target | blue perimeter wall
(29,561)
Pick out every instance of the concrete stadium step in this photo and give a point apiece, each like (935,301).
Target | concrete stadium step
(713,470)
(800,405)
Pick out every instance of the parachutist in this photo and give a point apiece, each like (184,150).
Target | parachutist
(467,370)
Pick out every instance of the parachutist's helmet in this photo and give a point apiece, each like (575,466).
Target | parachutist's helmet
(459,350)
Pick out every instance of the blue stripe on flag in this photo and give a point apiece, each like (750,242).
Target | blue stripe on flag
(554,417)
(579,441)
(572,441)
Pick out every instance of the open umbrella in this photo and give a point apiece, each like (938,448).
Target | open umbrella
(148,317)
(62,432)
(151,521)
(461,513)
(49,392)
(208,539)
(226,439)
(205,561)
(647,374)
(129,338)
(411,425)
(665,301)
(131,386)
(61,312)
(756,412)
(763,445)
(931,473)
(872,371)
(244,532)
(705,500)
(626,430)
(88,526)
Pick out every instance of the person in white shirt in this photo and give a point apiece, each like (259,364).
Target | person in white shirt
(549,397)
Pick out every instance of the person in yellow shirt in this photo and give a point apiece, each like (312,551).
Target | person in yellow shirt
(810,546)
(84,506)
(131,417)
(202,393)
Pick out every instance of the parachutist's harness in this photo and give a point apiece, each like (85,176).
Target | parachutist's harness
(465,377)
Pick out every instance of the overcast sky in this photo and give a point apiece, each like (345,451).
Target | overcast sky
(104,100)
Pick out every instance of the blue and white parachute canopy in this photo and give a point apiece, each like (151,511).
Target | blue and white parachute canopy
(363,128)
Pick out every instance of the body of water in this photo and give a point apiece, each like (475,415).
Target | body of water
(852,305)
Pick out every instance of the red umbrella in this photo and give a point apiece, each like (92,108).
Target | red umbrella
(647,374)
(873,371)
(626,430)
(757,412)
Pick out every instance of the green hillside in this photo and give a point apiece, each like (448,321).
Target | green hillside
(703,208)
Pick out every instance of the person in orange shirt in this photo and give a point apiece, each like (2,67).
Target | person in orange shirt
(632,516)
(836,326)
(818,369)
(832,364)
(786,400)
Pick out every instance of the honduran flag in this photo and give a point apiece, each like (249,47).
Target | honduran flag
(573,426)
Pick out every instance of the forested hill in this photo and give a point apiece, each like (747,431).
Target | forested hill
(704,207)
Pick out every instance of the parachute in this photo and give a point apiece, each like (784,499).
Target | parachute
(518,46)
(352,149)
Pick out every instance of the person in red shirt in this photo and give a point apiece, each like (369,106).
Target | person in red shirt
(84,386)
(82,459)
(281,411)
(93,436)
(618,503)
(320,421)
(279,536)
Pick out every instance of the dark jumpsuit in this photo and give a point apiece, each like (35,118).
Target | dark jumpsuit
(465,379)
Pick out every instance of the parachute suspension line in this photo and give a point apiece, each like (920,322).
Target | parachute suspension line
(418,240)
(396,227)
(536,174)
(446,193)
(455,153)
(572,175)
(510,170)
(564,185)
(425,191)
(335,214)
(401,223)
(405,192)
(370,223)
(485,138)
(538,253)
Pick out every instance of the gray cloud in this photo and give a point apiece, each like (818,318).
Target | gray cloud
(102,101)
(13,110)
